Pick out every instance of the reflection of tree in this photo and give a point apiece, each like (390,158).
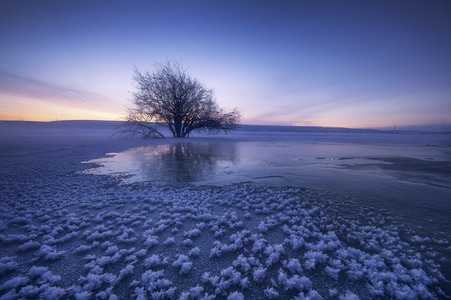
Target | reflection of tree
(187,162)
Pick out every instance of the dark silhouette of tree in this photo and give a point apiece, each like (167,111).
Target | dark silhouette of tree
(171,98)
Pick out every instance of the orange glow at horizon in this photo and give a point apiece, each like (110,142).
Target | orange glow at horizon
(21,109)
(45,112)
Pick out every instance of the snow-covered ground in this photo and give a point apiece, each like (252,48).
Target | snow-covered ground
(245,220)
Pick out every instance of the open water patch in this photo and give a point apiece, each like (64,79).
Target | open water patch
(234,162)
(178,163)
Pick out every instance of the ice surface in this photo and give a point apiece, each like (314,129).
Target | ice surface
(351,229)
(385,170)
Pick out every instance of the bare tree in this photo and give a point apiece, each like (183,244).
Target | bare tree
(170,98)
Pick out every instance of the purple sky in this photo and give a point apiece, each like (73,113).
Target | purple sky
(324,63)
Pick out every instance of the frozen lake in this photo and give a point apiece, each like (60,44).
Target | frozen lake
(258,214)
(382,170)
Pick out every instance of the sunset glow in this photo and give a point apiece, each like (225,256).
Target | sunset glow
(346,64)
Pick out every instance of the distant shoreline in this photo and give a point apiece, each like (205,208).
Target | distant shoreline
(422,129)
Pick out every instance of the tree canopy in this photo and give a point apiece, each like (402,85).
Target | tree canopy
(170,98)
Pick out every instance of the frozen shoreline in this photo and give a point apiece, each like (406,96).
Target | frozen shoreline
(238,240)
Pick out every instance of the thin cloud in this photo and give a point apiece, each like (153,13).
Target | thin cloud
(15,84)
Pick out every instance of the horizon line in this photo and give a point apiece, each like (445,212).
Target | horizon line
(417,127)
